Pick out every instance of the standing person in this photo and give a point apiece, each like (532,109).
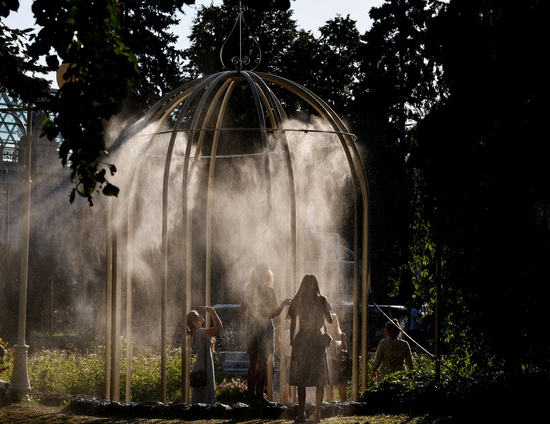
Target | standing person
(285,350)
(308,362)
(392,354)
(259,305)
(335,352)
(416,326)
(202,344)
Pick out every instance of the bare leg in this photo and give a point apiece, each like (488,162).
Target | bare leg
(251,376)
(330,393)
(343,392)
(319,394)
(261,374)
(286,394)
(301,401)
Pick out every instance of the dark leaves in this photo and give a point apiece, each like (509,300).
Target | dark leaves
(8,5)
(97,82)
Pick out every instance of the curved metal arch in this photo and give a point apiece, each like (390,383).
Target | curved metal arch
(276,111)
(156,114)
(199,94)
(361,192)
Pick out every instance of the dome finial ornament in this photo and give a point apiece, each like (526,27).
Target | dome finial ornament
(249,53)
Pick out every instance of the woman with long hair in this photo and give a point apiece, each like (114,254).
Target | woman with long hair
(308,362)
(259,305)
(201,343)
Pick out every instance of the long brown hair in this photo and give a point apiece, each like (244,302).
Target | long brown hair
(260,276)
(191,317)
(307,293)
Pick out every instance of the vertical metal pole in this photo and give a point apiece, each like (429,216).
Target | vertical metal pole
(163,341)
(436,329)
(360,299)
(108,304)
(355,339)
(186,298)
(129,342)
(51,308)
(19,384)
(115,321)
(7,204)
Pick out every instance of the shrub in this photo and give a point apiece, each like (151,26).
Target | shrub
(413,390)
(67,372)
(6,360)
(232,391)
(74,372)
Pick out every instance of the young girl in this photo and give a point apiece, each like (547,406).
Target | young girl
(201,343)
(335,352)
(308,362)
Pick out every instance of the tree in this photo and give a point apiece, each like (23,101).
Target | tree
(334,78)
(84,34)
(144,28)
(15,62)
(89,35)
(267,32)
(484,168)
(398,84)
(270,38)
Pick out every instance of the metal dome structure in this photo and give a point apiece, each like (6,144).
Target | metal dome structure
(234,155)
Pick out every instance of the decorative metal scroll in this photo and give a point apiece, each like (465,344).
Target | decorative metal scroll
(249,52)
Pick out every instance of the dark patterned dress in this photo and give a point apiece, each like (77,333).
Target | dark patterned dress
(260,331)
(308,362)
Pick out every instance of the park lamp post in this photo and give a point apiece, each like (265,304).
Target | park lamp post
(19,387)
(19,384)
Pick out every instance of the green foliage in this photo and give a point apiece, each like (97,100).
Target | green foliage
(270,26)
(5,361)
(97,82)
(16,64)
(328,66)
(337,72)
(449,100)
(423,245)
(418,392)
(145,29)
(484,185)
(397,85)
(146,381)
(74,372)
(68,372)
(7,6)
(416,388)
(115,48)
